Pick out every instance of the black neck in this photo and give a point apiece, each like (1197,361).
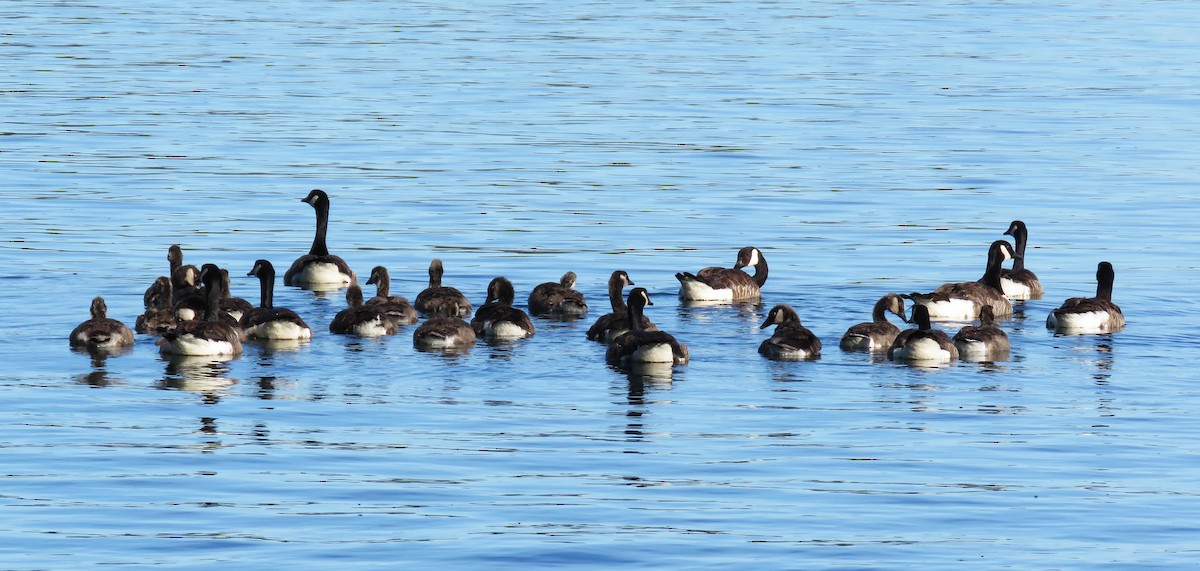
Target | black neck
(991,276)
(634,311)
(266,288)
(318,246)
(1104,286)
(760,271)
(614,295)
(212,295)
(920,316)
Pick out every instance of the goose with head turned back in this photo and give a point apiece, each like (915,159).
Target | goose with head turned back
(924,343)
(208,335)
(1019,283)
(962,301)
(395,305)
(1090,314)
(612,325)
(983,342)
(726,284)
(319,267)
(443,332)
(877,334)
(557,298)
(497,318)
(101,333)
(641,346)
(360,319)
(438,299)
(792,341)
(267,321)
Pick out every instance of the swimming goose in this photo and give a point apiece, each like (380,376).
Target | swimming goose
(642,346)
(1020,283)
(961,301)
(101,333)
(613,325)
(209,335)
(726,284)
(319,267)
(362,320)
(1090,314)
(395,305)
(438,299)
(983,342)
(877,334)
(185,278)
(557,298)
(791,341)
(267,321)
(497,318)
(234,307)
(923,343)
(159,310)
(442,332)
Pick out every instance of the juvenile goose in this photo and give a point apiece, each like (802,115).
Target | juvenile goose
(983,342)
(877,334)
(185,278)
(101,333)
(497,318)
(438,299)
(319,267)
(726,284)
(791,341)
(362,320)
(640,345)
(159,310)
(923,344)
(444,333)
(209,335)
(234,307)
(612,325)
(1090,314)
(395,305)
(1020,283)
(961,301)
(267,321)
(557,298)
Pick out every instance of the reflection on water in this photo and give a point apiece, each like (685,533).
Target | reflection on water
(206,376)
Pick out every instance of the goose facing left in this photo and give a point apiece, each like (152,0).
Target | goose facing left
(209,335)
(395,305)
(1020,283)
(792,341)
(101,333)
(267,321)
(319,268)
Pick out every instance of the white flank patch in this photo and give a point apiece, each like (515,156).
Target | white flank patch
(437,342)
(612,334)
(858,342)
(786,354)
(372,328)
(1015,290)
(972,350)
(923,349)
(321,273)
(279,330)
(1089,322)
(506,330)
(695,290)
(656,353)
(189,344)
(954,309)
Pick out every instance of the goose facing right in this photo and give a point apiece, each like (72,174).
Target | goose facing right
(638,346)
(962,301)
(612,325)
(726,284)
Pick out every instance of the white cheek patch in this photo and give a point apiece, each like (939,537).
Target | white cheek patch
(753,258)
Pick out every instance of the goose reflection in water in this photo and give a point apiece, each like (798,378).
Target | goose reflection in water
(205,376)
(98,376)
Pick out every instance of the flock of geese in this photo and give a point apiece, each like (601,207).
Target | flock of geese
(193,313)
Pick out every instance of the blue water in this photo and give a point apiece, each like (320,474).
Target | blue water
(866,147)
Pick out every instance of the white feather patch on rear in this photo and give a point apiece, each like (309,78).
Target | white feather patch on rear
(506,330)
(924,349)
(189,344)
(954,309)
(653,353)
(372,328)
(279,329)
(695,290)
(1015,290)
(1088,322)
(321,273)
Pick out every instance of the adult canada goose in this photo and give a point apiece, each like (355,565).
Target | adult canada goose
(878,333)
(497,318)
(319,267)
(1090,314)
(438,299)
(557,298)
(160,311)
(209,335)
(185,278)
(234,307)
(1020,283)
(360,319)
(101,333)
(983,342)
(923,344)
(267,321)
(444,333)
(640,345)
(612,325)
(395,305)
(961,301)
(792,341)
(726,284)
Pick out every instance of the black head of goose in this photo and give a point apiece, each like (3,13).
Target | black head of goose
(361,319)
(1020,283)
(924,343)
(962,301)
(160,311)
(558,298)
(612,325)
(210,335)
(639,346)
(792,341)
(726,284)
(101,333)
(497,318)
(877,334)
(395,305)
(1090,314)
(267,321)
(983,342)
(438,299)
(319,268)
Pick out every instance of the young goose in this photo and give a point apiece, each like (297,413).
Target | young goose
(497,318)
(557,298)
(209,335)
(101,333)
(234,307)
(362,320)
(1090,314)
(267,321)
(395,305)
(983,342)
(319,267)
(612,325)
(444,333)
(159,310)
(877,334)
(640,345)
(923,344)
(185,278)
(726,284)
(961,301)
(438,299)
(791,341)
(1020,283)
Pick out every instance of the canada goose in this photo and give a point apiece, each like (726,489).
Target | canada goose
(726,284)
(438,299)
(961,301)
(497,318)
(1090,314)
(159,310)
(209,335)
(362,320)
(101,333)
(612,325)
(319,267)
(641,346)
(395,305)
(185,278)
(923,343)
(267,321)
(234,307)
(983,342)
(877,334)
(1020,283)
(792,341)
(557,298)
(444,333)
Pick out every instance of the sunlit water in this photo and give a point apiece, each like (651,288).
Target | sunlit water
(866,147)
